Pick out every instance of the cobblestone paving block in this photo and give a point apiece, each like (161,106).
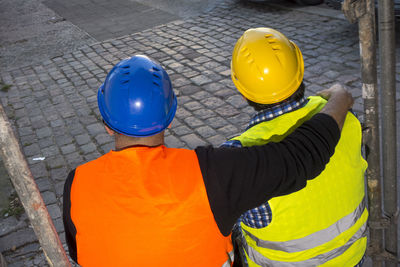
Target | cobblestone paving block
(38,169)
(88,148)
(62,137)
(95,129)
(103,138)
(82,139)
(181,130)
(237,101)
(68,149)
(55,162)
(228,130)
(201,95)
(227,111)
(30,248)
(17,239)
(213,102)
(205,131)
(49,197)
(193,122)
(11,224)
(224,93)
(54,211)
(46,142)
(194,105)
(44,184)
(50,151)
(107,148)
(189,89)
(172,141)
(91,156)
(193,141)
(204,113)
(216,122)
(181,112)
(74,159)
(200,80)
(217,140)
(58,174)
(31,150)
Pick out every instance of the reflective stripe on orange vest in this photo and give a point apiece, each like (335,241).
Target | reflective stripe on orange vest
(145,206)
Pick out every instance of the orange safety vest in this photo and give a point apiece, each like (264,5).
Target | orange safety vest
(145,206)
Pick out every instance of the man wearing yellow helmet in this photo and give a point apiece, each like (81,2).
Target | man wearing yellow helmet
(325,223)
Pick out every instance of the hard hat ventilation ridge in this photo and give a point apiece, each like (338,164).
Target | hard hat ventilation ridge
(124,81)
(124,69)
(157,77)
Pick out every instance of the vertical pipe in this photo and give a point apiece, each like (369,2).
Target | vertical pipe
(367,35)
(29,195)
(388,88)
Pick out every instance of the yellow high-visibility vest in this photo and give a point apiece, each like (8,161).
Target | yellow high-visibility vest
(325,223)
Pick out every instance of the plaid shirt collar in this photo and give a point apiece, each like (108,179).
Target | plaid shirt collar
(271,113)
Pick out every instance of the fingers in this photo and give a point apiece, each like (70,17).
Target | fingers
(336,90)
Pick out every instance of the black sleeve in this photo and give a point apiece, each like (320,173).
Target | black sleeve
(238,179)
(70,230)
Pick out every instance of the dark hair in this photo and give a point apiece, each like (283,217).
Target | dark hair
(296,96)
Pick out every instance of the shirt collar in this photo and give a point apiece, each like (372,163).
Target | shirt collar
(277,110)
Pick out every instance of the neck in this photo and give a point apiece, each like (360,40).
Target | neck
(123,141)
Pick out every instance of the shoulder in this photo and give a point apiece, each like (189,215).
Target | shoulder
(93,163)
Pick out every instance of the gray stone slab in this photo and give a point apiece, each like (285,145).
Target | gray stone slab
(29,32)
(110,19)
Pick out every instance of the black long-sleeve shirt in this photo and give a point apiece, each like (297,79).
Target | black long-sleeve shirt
(238,179)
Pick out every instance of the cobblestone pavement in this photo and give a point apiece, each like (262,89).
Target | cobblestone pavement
(53,106)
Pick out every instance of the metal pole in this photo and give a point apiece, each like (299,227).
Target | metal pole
(366,25)
(29,195)
(388,88)
(364,12)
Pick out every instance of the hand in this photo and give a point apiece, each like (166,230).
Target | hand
(339,102)
(338,91)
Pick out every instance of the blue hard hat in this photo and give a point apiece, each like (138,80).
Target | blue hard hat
(136,98)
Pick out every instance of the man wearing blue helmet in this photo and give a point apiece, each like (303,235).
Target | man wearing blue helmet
(144,204)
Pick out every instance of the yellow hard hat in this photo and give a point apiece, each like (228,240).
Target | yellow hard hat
(266,66)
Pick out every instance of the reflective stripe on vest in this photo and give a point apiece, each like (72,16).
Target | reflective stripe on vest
(315,239)
(325,222)
(255,256)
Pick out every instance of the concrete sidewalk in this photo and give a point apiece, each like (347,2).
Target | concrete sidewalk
(52,102)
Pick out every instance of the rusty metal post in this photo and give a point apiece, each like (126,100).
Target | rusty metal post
(29,195)
(387,52)
(364,12)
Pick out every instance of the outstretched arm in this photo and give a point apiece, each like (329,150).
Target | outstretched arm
(238,179)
